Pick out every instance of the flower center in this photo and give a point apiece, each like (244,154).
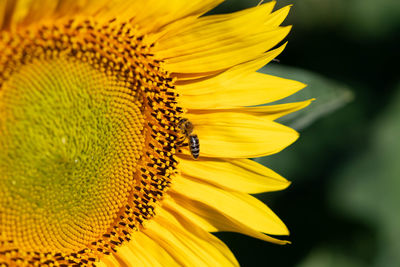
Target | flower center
(87,140)
(68,154)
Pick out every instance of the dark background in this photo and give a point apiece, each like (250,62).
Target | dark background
(343,207)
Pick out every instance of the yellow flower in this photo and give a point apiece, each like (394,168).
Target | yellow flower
(94,99)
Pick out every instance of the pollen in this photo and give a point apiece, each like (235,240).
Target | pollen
(87,140)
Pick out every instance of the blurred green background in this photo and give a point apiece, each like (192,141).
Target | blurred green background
(343,208)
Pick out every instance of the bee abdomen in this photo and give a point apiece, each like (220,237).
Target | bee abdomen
(194,145)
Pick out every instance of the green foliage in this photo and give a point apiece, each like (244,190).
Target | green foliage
(330,95)
(368,187)
(360,18)
(327,257)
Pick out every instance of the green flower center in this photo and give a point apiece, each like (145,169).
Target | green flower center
(63,138)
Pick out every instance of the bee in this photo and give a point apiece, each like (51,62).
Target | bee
(186,128)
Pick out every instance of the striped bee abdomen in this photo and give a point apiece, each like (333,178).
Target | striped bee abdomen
(194,145)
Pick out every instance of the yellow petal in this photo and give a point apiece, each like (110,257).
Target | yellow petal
(215,45)
(28,11)
(197,83)
(127,257)
(187,243)
(107,261)
(143,251)
(172,207)
(182,206)
(189,23)
(242,175)
(5,7)
(240,207)
(238,135)
(243,86)
(149,15)
(152,15)
(24,12)
(224,56)
(192,84)
(273,112)
(228,24)
(270,112)
(254,89)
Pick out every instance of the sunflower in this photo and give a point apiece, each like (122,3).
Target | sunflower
(126,128)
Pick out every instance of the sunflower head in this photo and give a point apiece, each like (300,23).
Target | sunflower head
(81,104)
(101,105)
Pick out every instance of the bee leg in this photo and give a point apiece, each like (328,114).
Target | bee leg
(180,141)
(182,145)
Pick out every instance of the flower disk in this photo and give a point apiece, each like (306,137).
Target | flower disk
(77,110)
